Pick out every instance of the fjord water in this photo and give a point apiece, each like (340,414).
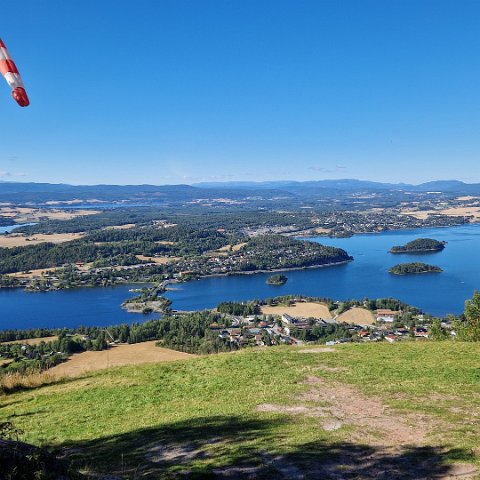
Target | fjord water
(67,308)
(366,276)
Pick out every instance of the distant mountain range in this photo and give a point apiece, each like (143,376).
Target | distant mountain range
(19,192)
(349,185)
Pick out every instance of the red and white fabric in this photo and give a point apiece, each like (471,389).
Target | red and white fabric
(10,71)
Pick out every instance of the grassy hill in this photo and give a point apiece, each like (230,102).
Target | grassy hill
(407,410)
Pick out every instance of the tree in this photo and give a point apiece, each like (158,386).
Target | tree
(437,331)
(472,315)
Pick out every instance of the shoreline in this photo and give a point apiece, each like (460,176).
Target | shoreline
(414,252)
(288,269)
(408,229)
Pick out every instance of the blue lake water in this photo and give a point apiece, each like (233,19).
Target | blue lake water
(9,228)
(366,276)
(67,308)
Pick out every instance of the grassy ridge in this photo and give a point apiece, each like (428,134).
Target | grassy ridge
(144,418)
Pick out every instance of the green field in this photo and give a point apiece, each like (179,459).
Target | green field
(407,410)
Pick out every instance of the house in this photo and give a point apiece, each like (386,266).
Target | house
(363,333)
(288,319)
(422,332)
(386,315)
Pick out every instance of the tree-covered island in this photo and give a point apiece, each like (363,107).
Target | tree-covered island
(277,279)
(420,245)
(415,267)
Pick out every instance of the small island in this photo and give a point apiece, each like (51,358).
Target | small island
(277,280)
(416,267)
(421,245)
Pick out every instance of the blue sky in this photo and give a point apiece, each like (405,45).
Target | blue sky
(157,91)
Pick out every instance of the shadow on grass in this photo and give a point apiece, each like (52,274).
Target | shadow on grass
(232,447)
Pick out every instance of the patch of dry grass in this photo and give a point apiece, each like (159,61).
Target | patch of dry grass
(27,215)
(358,316)
(12,382)
(20,240)
(159,260)
(32,341)
(118,355)
(307,310)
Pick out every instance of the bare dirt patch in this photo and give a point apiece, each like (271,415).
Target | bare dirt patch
(306,309)
(383,444)
(379,424)
(19,240)
(358,316)
(116,356)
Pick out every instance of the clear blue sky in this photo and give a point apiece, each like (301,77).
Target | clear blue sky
(156,91)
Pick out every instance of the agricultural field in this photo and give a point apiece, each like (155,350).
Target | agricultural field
(301,309)
(27,215)
(31,341)
(357,411)
(116,356)
(19,240)
(358,316)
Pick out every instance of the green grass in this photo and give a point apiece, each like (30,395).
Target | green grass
(203,410)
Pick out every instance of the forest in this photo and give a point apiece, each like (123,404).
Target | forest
(414,267)
(420,245)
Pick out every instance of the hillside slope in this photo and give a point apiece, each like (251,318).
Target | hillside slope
(406,411)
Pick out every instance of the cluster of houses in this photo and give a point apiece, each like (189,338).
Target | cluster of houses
(254,331)
(250,330)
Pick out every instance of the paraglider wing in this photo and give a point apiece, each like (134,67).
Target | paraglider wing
(10,71)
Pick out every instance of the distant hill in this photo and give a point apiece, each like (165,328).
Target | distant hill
(38,193)
(350,185)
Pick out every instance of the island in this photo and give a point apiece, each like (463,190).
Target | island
(415,267)
(421,245)
(277,280)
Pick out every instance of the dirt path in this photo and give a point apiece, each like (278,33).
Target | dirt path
(383,444)
(378,424)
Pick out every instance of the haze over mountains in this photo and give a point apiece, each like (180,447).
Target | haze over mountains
(44,192)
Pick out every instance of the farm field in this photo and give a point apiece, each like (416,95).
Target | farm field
(307,309)
(349,412)
(27,215)
(19,240)
(159,260)
(473,211)
(357,315)
(116,356)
